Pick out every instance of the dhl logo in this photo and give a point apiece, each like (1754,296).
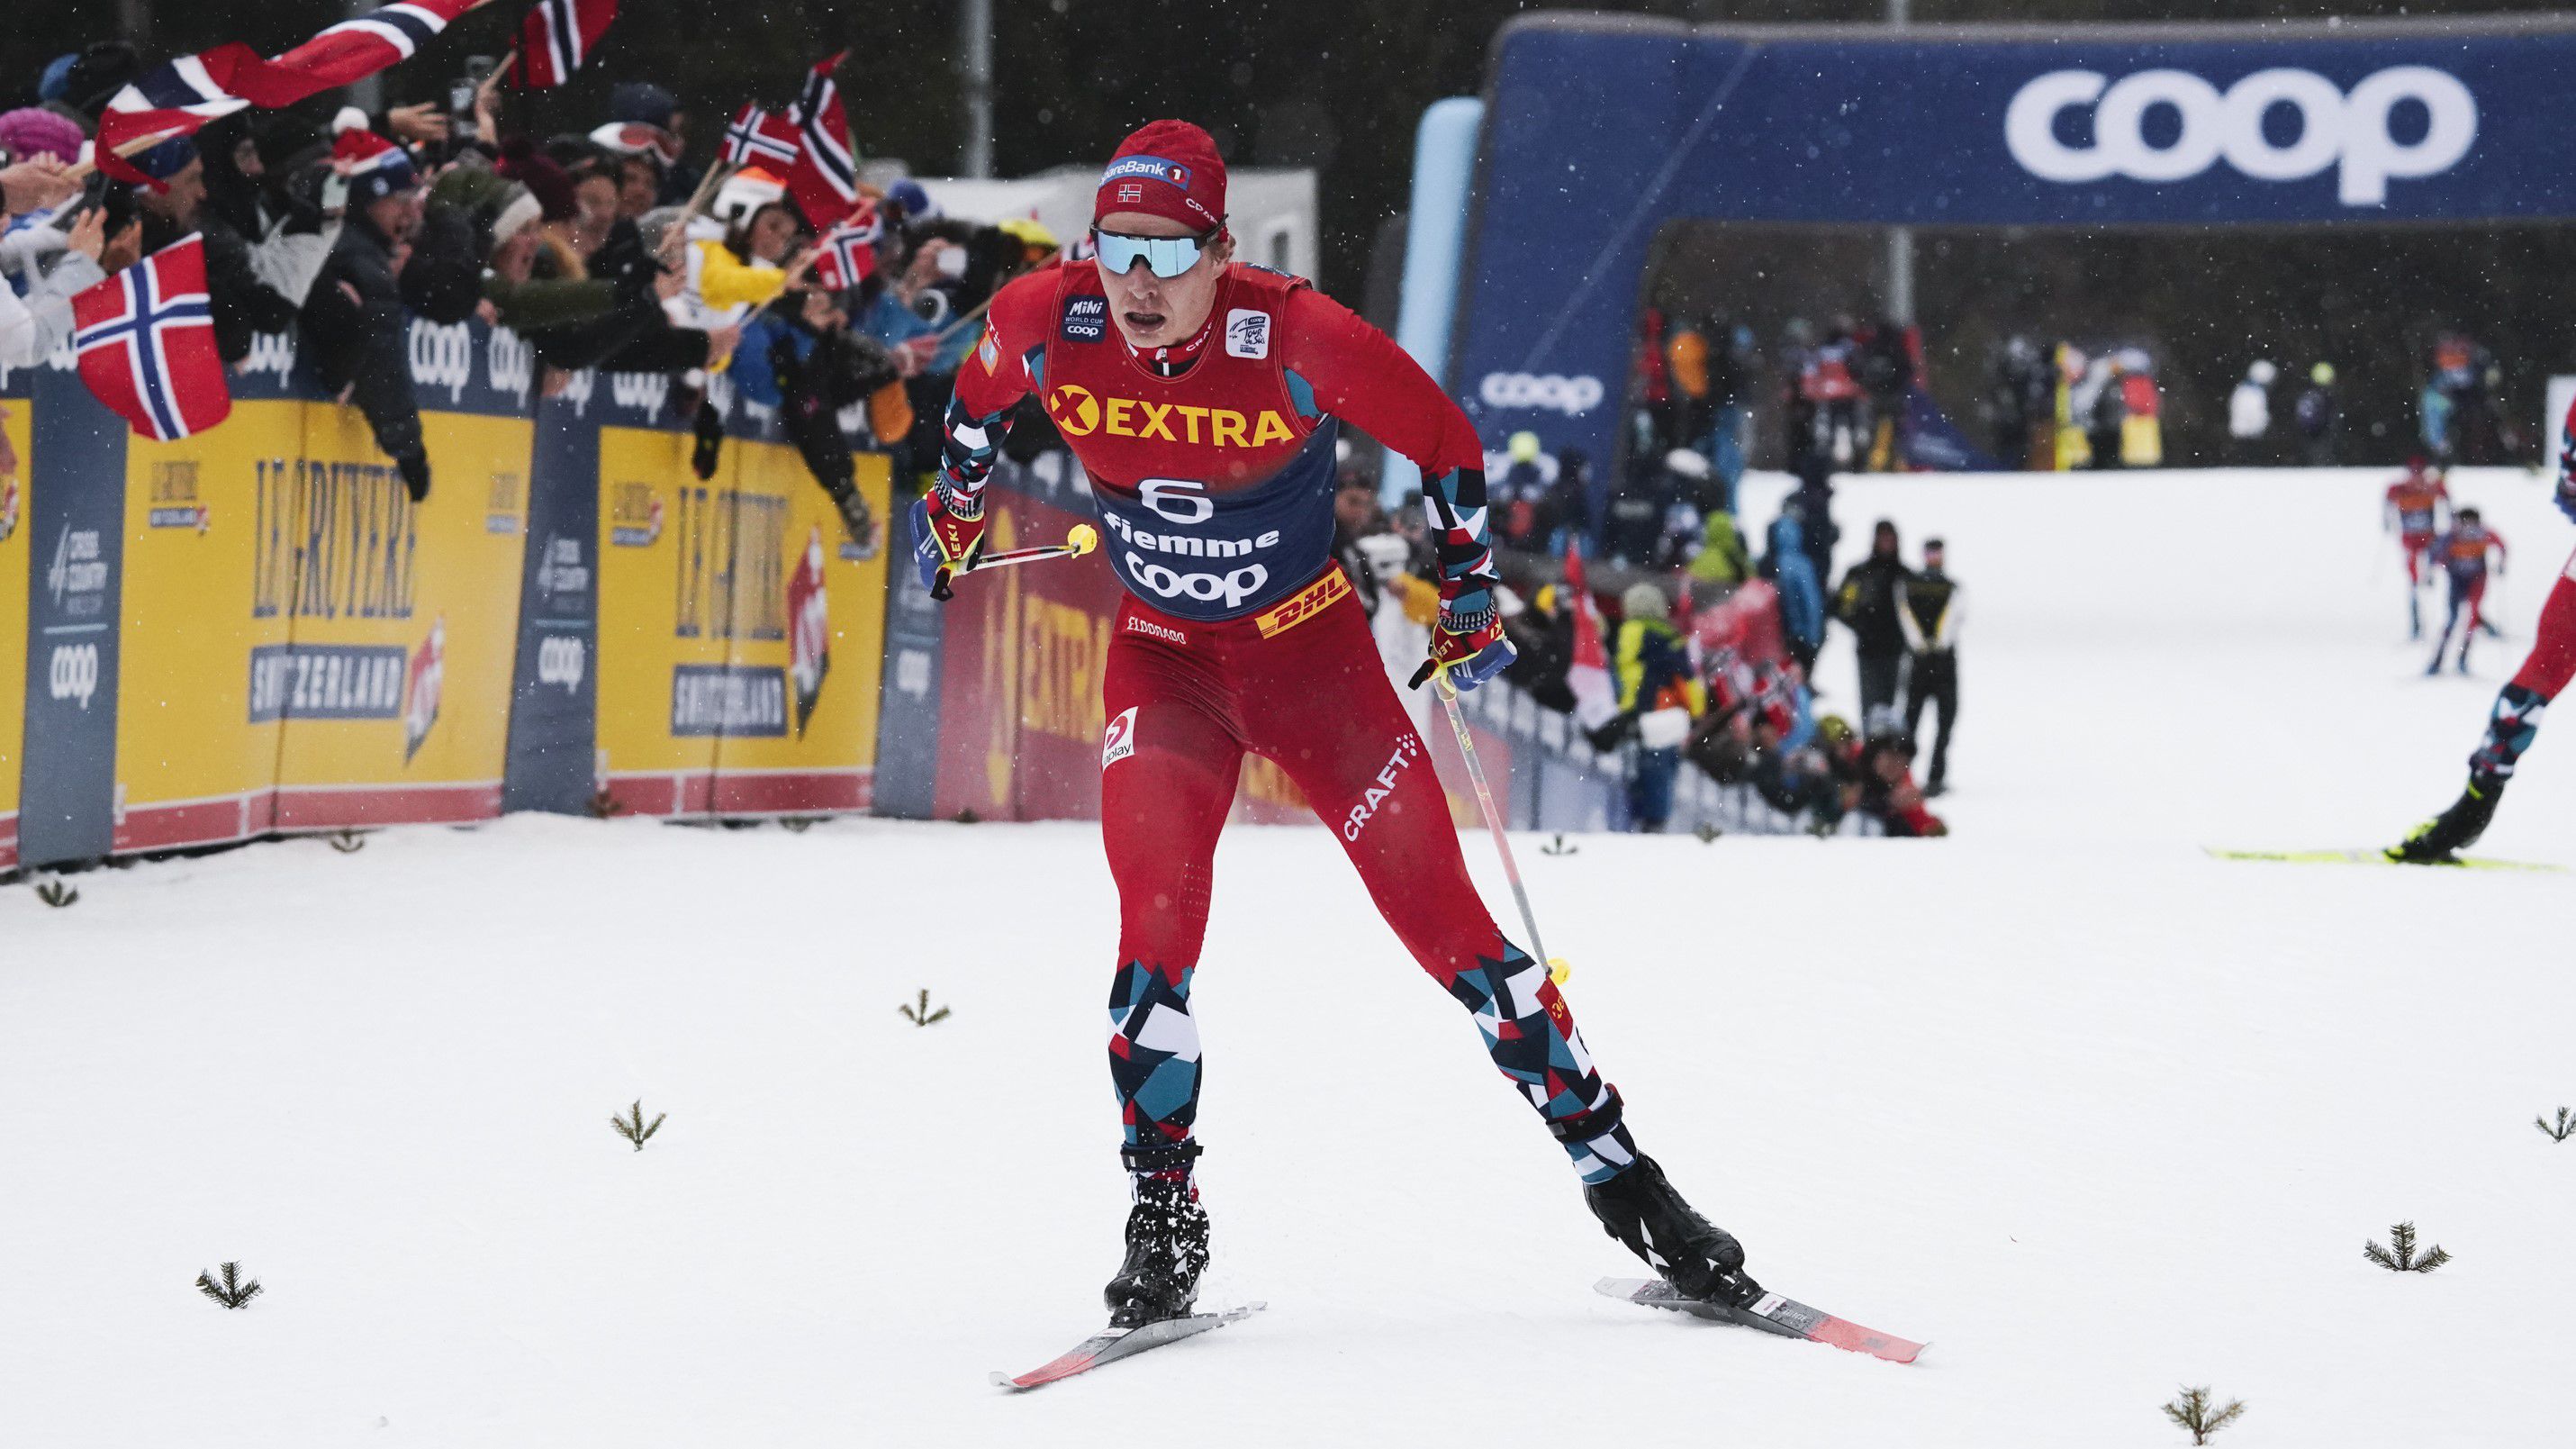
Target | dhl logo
(1080,414)
(1304,604)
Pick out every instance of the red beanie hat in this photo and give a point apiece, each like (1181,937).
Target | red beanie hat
(1168,169)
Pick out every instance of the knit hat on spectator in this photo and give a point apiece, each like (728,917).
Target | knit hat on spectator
(1168,169)
(1644,601)
(549,183)
(377,167)
(642,102)
(499,207)
(33,132)
(166,160)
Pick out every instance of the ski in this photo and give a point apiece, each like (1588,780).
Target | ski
(1112,1344)
(1770,1313)
(2376,857)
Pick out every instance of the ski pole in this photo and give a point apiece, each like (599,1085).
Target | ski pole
(1557,970)
(1081,539)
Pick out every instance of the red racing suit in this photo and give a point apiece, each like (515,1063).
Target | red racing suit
(1212,463)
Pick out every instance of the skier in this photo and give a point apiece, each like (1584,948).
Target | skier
(1203,397)
(2414,512)
(2463,555)
(2515,719)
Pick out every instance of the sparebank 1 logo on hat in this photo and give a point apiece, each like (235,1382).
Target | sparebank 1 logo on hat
(1150,166)
(2352,133)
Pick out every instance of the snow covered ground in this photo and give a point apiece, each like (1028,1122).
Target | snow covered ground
(2096,1115)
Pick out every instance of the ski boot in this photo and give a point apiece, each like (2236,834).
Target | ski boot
(1167,1239)
(2439,840)
(1640,1209)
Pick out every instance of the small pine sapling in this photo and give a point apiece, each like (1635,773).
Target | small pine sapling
(347,842)
(967,817)
(2399,1255)
(53,892)
(1558,846)
(633,1128)
(2566,1125)
(796,824)
(231,1290)
(2191,1409)
(604,806)
(922,1015)
(1707,833)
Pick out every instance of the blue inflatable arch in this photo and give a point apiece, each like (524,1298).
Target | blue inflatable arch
(1600,130)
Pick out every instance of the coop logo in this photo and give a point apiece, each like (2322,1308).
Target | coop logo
(2350,132)
(73,673)
(1546,391)
(562,661)
(1120,741)
(442,357)
(1407,750)
(509,363)
(642,392)
(272,353)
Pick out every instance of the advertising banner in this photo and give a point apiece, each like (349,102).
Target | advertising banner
(17,440)
(75,549)
(554,688)
(740,633)
(1599,131)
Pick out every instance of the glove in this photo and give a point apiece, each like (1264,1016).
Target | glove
(944,543)
(1467,643)
(414,468)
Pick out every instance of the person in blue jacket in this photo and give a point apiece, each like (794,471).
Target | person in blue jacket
(1802,594)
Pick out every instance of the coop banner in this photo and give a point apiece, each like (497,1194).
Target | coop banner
(740,631)
(555,684)
(1600,132)
(69,531)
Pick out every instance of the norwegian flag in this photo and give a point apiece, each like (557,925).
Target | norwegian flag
(809,615)
(847,254)
(180,97)
(1588,678)
(556,37)
(759,134)
(825,178)
(422,685)
(146,343)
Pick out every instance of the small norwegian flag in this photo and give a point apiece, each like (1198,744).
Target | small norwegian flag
(760,135)
(556,37)
(146,343)
(825,178)
(809,616)
(847,254)
(181,96)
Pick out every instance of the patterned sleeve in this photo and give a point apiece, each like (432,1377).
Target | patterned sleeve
(992,381)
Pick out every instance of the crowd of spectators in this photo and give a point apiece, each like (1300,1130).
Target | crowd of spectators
(1708,644)
(598,246)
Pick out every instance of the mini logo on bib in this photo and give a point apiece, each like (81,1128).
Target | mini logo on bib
(1086,319)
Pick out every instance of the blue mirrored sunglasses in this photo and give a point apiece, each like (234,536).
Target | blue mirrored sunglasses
(1165,256)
